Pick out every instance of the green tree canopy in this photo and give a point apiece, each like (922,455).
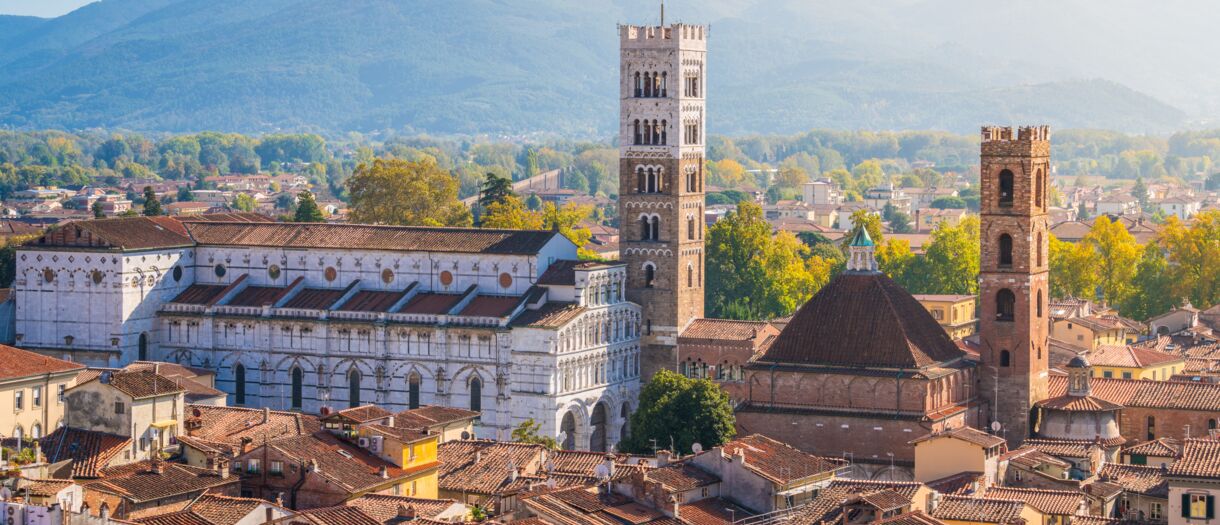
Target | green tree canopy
(679,411)
(152,206)
(527,432)
(495,189)
(949,202)
(406,193)
(307,209)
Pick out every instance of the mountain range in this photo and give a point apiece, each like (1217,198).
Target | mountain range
(516,67)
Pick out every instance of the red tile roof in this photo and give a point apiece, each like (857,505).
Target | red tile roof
(199,294)
(360,414)
(549,315)
(15,363)
(1162,447)
(778,461)
(123,234)
(314,298)
(681,477)
(223,428)
(384,508)
(225,510)
(1149,394)
(45,487)
(429,416)
(370,237)
(1058,502)
(371,301)
(725,329)
(711,511)
(1200,459)
(257,296)
(88,451)
(967,434)
(1071,403)
(138,384)
(960,484)
(137,482)
(431,303)
(911,518)
(482,467)
(866,320)
(182,517)
(979,510)
(340,515)
(1136,478)
(348,467)
(1129,356)
(491,306)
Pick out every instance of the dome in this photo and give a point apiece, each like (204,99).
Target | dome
(1078,362)
(862,319)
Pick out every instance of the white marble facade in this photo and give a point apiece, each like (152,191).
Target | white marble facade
(565,354)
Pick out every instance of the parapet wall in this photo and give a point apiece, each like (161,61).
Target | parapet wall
(685,36)
(1026,141)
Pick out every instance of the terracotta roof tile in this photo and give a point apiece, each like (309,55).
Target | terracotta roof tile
(1031,457)
(885,500)
(123,234)
(371,301)
(139,384)
(960,484)
(338,515)
(1136,478)
(428,416)
(862,319)
(979,510)
(1149,394)
(1058,502)
(711,511)
(223,428)
(348,467)
(1071,448)
(1129,356)
(88,451)
(233,216)
(182,517)
(1200,459)
(482,467)
(967,434)
(314,299)
(491,306)
(137,481)
(225,510)
(725,329)
(199,294)
(681,477)
(45,487)
(15,363)
(779,461)
(911,518)
(257,296)
(1071,403)
(384,508)
(360,414)
(1162,447)
(370,237)
(431,303)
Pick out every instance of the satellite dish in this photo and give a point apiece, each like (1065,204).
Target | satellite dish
(696,448)
(995,426)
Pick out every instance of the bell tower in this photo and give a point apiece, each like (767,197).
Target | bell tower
(1013,289)
(661,150)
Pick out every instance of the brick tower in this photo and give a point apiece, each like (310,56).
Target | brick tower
(661,136)
(1013,290)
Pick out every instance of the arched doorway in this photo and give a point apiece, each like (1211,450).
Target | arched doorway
(597,439)
(567,429)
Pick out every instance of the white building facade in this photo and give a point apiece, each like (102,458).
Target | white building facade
(313,316)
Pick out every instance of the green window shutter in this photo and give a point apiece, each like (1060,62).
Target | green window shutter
(1211,507)
(1139,459)
(1185,505)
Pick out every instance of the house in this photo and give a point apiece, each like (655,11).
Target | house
(927,219)
(1145,491)
(217,433)
(764,475)
(957,314)
(142,405)
(1117,203)
(719,349)
(1174,321)
(187,208)
(1134,362)
(1089,332)
(47,492)
(199,383)
(215,509)
(1057,507)
(1161,452)
(1180,206)
(877,198)
(1194,483)
(391,509)
(32,391)
(73,453)
(152,488)
(822,191)
(113,204)
(411,449)
(1031,467)
(964,449)
(447,423)
(489,473)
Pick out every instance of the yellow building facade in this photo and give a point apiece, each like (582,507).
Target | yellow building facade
(957,314)
(414,452)
(31,392)
(1089,332)
(1130,362)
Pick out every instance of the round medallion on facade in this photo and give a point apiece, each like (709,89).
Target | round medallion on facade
(387,276)
(273,271)
(177,273)
(446,278)
(48,275)
(506,280)
(97,276)
(330,273)
(220,270)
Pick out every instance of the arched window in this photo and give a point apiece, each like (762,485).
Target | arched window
(656,228)
(1039,307)
(664,126)
(298,380)
(650,275)
(639,139)
(1211,424)
(640,184)
(664,81)
(476,394)
(353,388)
(1005,305)
(239,383)
(1005,196)
(656,84)
(652,181)
(645,230)
(143,346)
(413,390)
(1005,249)
(1005,358)
(1040,189)
(1151,427)
(656,133)
(639,85)
(647,84)
(690,228)
(36,431)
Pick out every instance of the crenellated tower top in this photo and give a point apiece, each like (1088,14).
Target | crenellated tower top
(683,36)
(1024,140)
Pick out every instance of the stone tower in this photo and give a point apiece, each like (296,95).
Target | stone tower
(661,137)
(1013,290)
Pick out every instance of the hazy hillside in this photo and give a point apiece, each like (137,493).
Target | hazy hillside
(550,66)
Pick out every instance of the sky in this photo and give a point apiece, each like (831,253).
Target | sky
(43,8)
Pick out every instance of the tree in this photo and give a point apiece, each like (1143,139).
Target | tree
(8,259)
(510,214)
(152,206)
(1073,269)
(1117,256)
(895,259)
(949,202)
(98,211)
(1140,192)
(494,189)
(951,258)
(243,202)
(1194,255)
(184,194)
(679,411)
(900,222)
(407,193)
(1152,278)
(307,209)
(527,432)
(533,202)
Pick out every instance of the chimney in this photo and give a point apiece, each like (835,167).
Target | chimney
(478,456)
(155,464)
(266,415)
(406,512)
(269,515)
(609,462)
(384,472)
(389,421)
(676,505)
(245,444)
(663,458)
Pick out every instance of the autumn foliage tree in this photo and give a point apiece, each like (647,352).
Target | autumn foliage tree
(405,193)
